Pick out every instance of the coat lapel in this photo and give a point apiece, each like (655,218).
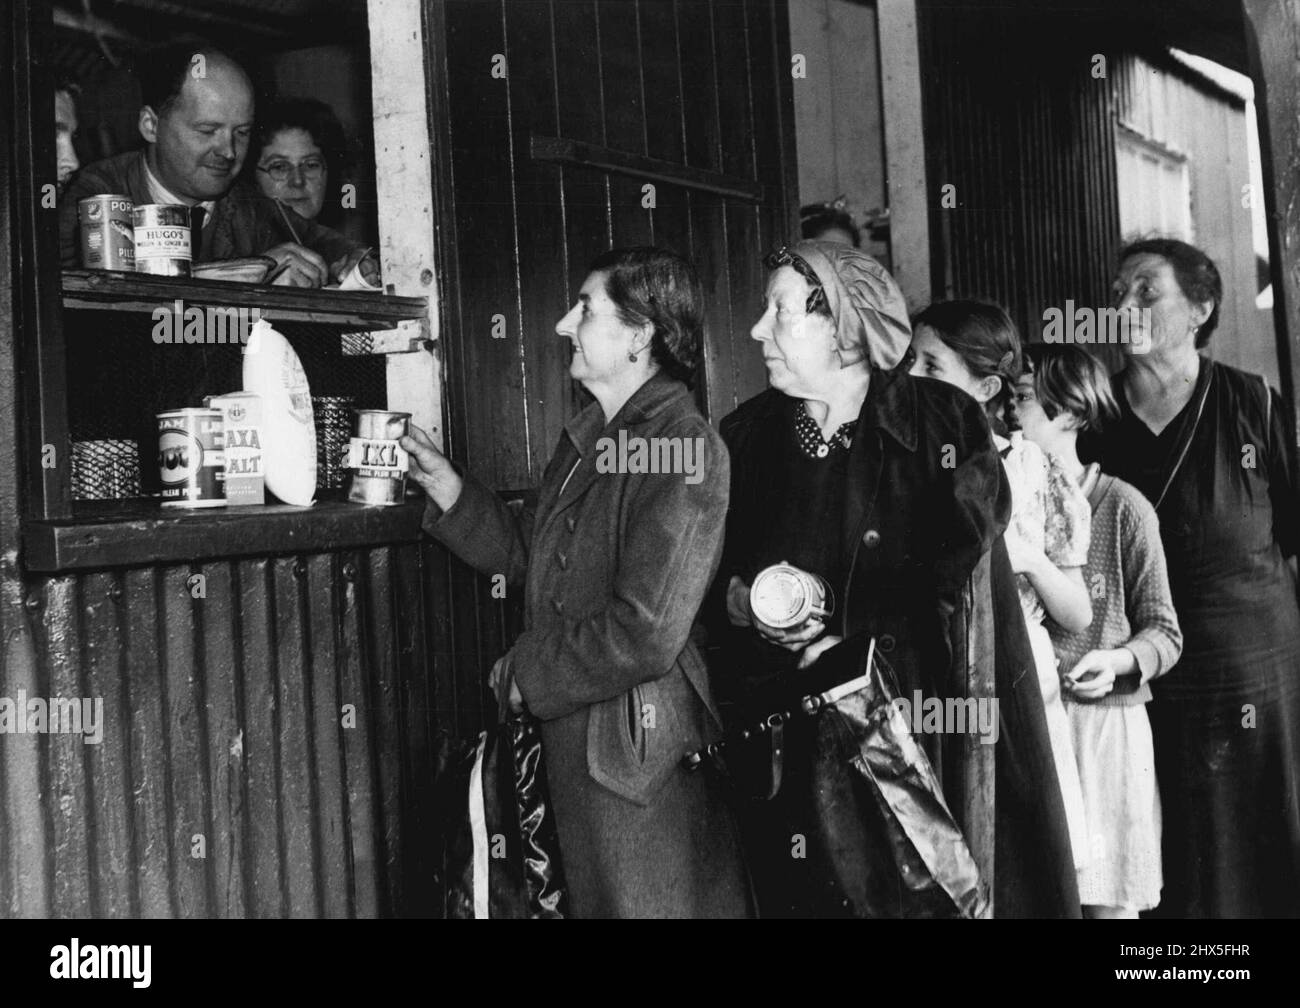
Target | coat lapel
(889,409)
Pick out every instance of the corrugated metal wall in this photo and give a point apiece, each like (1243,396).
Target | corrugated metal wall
(224,719)
(1018,124)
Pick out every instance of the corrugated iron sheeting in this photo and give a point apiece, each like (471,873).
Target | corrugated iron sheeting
(1017,122)
(224,736)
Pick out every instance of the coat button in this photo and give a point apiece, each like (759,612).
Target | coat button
(562,560)
(570,522)
(886,642)
(559,605)
(871,539)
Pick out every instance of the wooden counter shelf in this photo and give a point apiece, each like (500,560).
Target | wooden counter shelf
(140,531)
(108,290)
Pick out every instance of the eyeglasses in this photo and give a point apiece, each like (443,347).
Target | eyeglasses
(312,169)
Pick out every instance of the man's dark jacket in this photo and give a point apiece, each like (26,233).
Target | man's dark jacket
(926,502)
(244,222)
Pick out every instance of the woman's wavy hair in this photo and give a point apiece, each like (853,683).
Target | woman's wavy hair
(655,286)
(1198,278)
(984,337)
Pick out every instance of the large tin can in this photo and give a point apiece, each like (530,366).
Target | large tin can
(191,458)
(162,239)
(244,474)
(787,598)
(377,461)
(107,234)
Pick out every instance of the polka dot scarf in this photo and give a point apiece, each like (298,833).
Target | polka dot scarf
(810,435)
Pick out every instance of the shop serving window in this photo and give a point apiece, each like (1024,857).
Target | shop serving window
(150,309)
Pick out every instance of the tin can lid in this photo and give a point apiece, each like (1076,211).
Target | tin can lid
(781,596)
(102,196)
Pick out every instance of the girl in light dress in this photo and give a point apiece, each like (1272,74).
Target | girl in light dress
(975,346)
(1133,638)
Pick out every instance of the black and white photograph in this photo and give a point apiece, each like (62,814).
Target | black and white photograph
(562,459)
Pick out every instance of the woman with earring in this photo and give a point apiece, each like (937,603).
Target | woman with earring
(1213,449)
(614,565)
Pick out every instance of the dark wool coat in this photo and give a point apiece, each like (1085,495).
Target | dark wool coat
(615,565)
(926,500)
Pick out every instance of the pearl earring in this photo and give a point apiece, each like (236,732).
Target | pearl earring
(632,357)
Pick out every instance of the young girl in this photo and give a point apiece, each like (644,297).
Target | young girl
(975,347)
(1133,638)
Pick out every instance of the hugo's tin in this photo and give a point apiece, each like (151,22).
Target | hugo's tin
(377,461)
(191,458)
(242,413)
(162,239)
(107,235)
(787,598)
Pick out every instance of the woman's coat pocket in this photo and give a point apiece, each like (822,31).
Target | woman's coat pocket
(634,742)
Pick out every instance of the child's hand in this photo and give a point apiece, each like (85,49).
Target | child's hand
(1024,557)
(1093,676)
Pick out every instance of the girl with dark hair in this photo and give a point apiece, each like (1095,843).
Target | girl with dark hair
(614,566)
(975,346)
(1213,449)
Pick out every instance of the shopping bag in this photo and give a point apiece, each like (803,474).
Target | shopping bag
(501,851)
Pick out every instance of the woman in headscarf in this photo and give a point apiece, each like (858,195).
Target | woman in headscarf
(888,487)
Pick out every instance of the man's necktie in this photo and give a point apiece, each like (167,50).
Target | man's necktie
(197,216)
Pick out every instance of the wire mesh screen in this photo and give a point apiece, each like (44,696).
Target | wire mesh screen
(119,380)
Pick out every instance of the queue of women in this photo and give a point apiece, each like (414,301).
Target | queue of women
(1141,580)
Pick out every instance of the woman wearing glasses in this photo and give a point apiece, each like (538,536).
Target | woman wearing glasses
(300,147)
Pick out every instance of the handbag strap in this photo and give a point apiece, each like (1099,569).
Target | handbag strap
(1187,441)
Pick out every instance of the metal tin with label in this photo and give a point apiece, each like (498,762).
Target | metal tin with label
(107,232)
(242,413)
(191,458)
(377,462)
(787,598)
(162,239)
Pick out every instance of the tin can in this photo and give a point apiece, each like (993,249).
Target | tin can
(191,458)
(242,416)
(107,232)
(377,461)
(162,239)
(787,598)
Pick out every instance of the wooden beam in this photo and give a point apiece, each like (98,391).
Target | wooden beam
(404,186)
(576,152)
(1273,38)
(909,204)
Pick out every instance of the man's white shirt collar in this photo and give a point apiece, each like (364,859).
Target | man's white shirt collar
(161,194)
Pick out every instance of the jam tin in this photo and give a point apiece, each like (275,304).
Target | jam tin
(787,598)
(377,462)
(191,458)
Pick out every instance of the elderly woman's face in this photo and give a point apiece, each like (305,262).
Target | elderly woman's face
(295,155)
(601,341)
(799,349)
(1147,289)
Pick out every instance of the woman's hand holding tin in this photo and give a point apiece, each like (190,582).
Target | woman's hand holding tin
(430,468)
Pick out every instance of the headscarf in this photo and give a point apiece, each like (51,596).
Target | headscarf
(866,305)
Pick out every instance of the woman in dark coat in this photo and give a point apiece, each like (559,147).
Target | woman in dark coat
(1211,447)
(625,541)
(888,487)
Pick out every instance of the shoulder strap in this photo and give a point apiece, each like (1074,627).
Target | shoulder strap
(1187,440)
